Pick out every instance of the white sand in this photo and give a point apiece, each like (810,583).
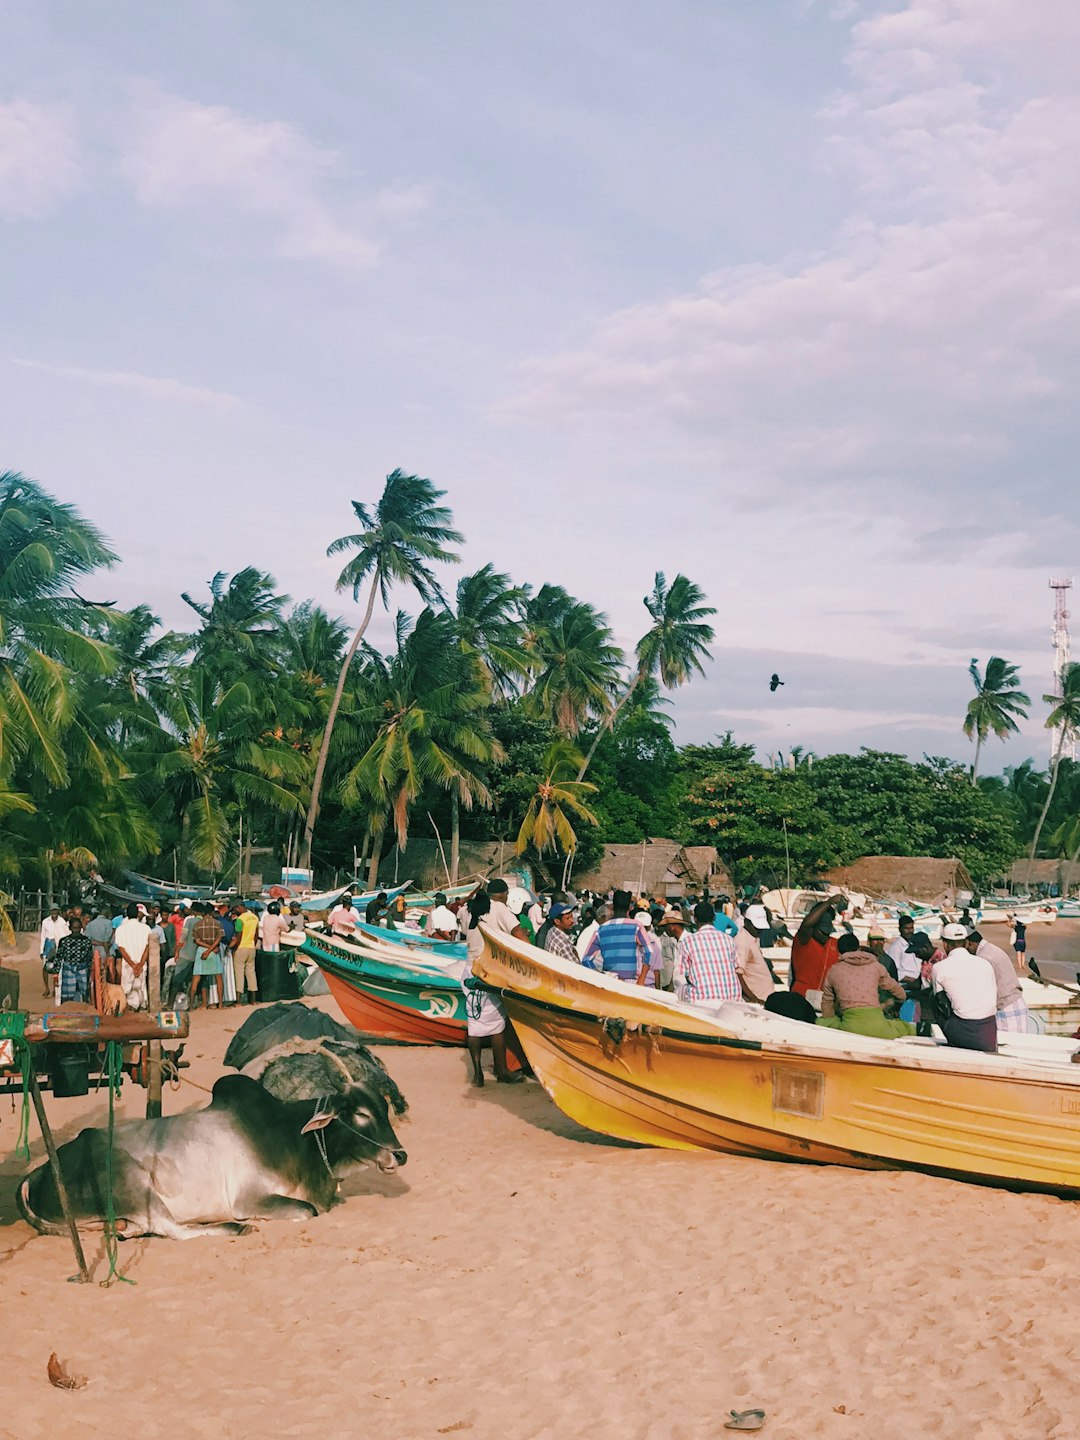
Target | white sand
(522,1279)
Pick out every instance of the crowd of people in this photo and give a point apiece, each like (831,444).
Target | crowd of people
(704,952)
(203,951)
(709,953)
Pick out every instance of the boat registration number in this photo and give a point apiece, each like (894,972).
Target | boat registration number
(798,1092)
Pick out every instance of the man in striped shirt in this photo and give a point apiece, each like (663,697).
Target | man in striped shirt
(619,946)
(707,960)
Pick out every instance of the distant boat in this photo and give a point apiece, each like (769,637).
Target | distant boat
(410,939)
(144,887)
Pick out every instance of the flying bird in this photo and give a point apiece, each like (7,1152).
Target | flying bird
(774,684)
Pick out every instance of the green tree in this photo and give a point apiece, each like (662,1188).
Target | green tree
(428,710)
(240,623)
(763,822)
(675,645)
(46,549)
(557,801)
(399,540)
(490,628)
(637,776)
(997,706)
(575,664)
(1064,717)
(210,763)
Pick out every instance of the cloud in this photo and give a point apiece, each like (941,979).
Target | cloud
(182,154)
(39,159)
(154,387)
(931,344)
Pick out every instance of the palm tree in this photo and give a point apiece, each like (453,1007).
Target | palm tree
(547,824)
(1064,717)
(398,540)
(310,644)
(675,645)
(241,622)
(490,628)
(46,548)
(210,754)
(998,704)
(429,711)
(146,662)
(575,665)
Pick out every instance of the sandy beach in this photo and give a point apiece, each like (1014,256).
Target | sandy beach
(522,1279)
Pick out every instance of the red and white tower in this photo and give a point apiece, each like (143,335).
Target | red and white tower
(1060,633)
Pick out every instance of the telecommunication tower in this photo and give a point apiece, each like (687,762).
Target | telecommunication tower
(1061,660)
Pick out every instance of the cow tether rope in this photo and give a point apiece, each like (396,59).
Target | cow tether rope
(114,1063)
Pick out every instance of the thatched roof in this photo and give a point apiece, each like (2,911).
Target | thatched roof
(422,863)
(1043,872)
(656,867)
(705,862)
(903,877)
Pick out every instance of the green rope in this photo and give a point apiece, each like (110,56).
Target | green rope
(114,1059)
(22,1145)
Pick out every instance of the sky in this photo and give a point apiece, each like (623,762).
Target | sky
(783,296)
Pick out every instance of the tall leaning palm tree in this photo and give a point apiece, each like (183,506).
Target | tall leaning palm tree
(675,645)
(1064,717)
(998,704)
(397,543)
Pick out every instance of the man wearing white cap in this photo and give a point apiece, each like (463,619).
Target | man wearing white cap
(969,986)
(1012,1010)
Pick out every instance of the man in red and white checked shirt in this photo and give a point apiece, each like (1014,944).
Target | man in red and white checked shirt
(706,957)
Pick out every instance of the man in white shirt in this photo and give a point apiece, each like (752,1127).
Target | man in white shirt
(53,929)
(500,916)
(133,947)
(905,960)
(442,922)
(1012,1010)
(970,986)
(342,918)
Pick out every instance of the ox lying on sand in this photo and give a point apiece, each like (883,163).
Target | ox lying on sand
(247,1156)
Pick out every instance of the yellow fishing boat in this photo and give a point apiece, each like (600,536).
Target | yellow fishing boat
(641,1065)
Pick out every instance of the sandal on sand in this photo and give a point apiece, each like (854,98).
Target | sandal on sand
(745,1420)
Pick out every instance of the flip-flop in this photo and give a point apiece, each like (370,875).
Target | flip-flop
(745,1420)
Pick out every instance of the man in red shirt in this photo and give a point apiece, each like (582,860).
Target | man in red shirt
(814,948)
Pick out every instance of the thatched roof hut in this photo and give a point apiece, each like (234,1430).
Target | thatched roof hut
(903,877)
(1045,873)
(422,863)
(658,867)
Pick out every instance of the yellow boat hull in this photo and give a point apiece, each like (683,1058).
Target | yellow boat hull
(628,1063)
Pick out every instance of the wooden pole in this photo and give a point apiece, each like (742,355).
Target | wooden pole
(61,1028)
(153,1069)
(61,1188)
